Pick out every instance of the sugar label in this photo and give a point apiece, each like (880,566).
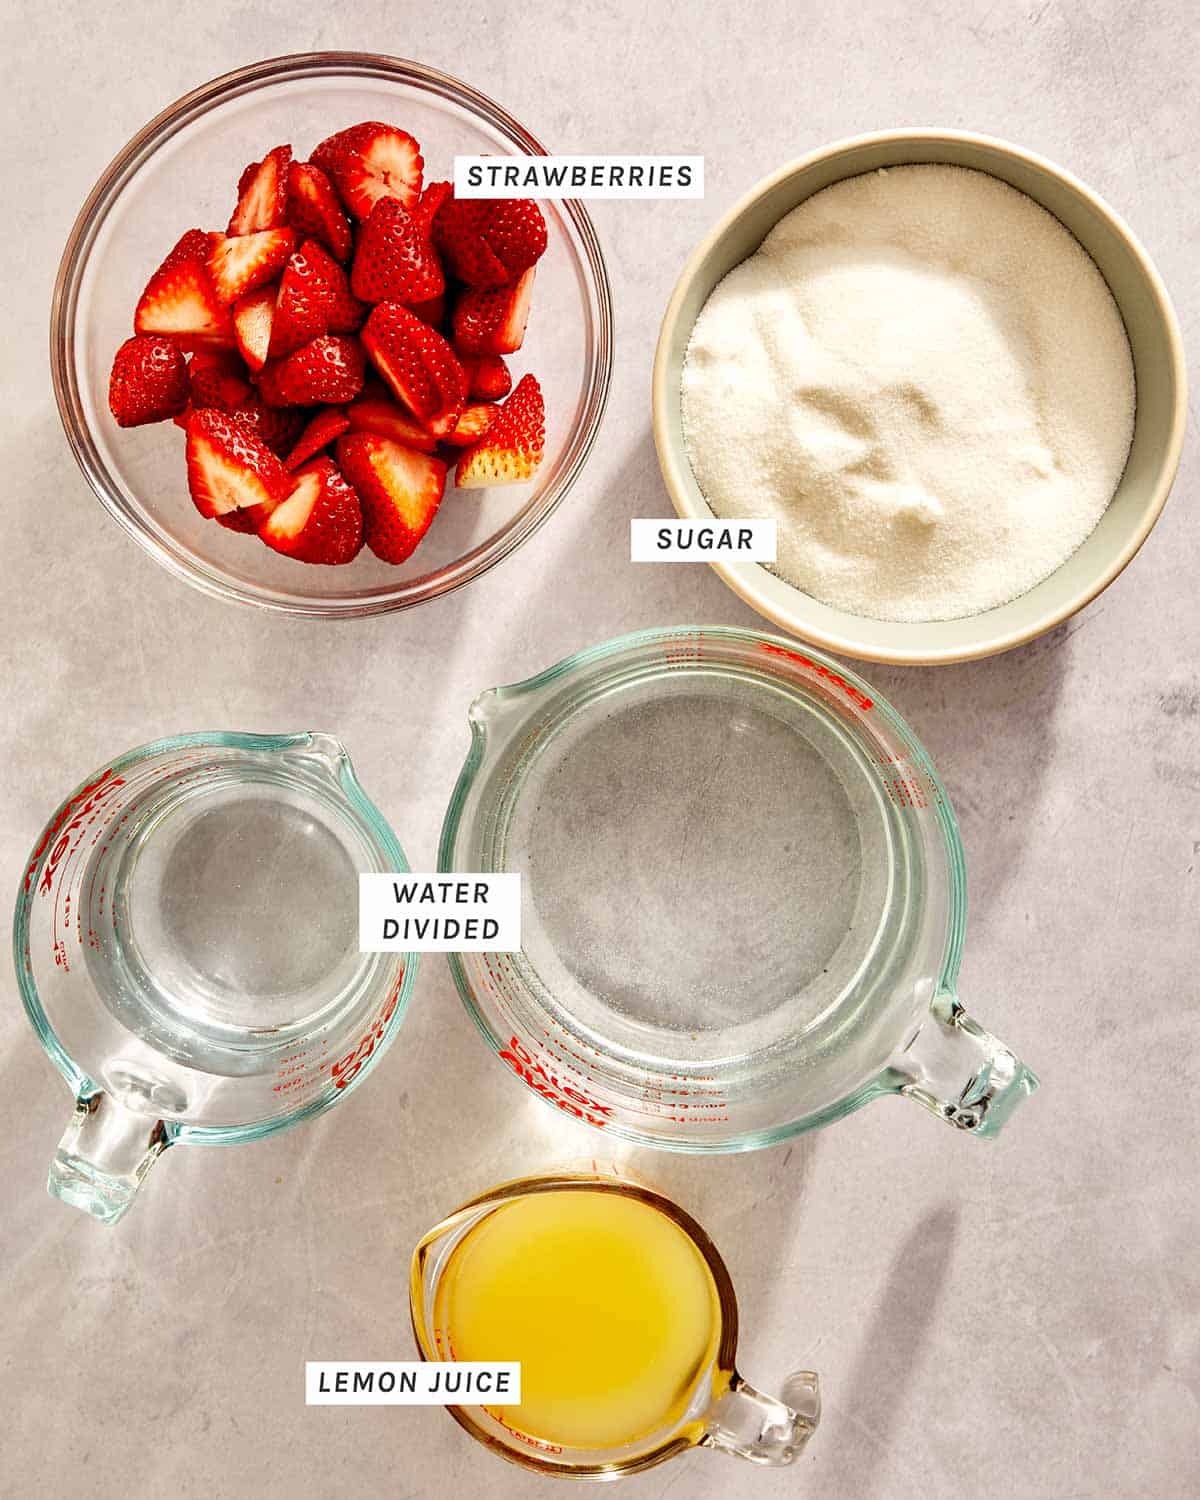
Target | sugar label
(439,913)
(701,541)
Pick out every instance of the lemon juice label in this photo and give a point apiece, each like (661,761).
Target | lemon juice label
(367,1382)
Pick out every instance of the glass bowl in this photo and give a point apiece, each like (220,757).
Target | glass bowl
(181,172)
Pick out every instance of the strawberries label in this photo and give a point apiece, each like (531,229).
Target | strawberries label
(579,177)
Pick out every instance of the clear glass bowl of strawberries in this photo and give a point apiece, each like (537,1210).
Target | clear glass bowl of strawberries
(299,370)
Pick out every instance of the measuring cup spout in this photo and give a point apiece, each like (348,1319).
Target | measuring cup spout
(961,1072)
(749,1425)
(104,1156)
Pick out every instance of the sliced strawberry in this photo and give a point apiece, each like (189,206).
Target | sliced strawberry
(320,521)
(314,211)
(418,364)
(511,449)
(149,381)
(491,320)
(240,263)
(433,195)
(232,476)
(432,312)
(328,424)
(180,301)
(263,194)
(277,426)
(217,379)
(472,424)
(387,418)
(327,369)
(400,491)
(488,377)
(394,260)
(372,161)
(314,298)
(488,242)
(253,318)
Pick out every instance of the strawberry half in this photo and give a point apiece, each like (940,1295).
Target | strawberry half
(263,194)
(180,301)
(418,364)
(491,320)
(253,319)
(233,477)
(372,161)
(394,260)
(472,424)
(217,379)
(314,298)
(149,381)
(314,210)
(240,263)
(488,377)
(320,521)
(327,425)
(327,369)
(387,418)
(488,242)
(512,447)
(399,489)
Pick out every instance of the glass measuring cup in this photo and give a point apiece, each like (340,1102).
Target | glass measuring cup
(186,944)
(743,896)
(713,1407)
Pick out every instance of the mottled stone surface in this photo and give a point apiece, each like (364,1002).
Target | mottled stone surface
(1021,1318)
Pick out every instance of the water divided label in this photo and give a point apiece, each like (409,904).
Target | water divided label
(579,177)
(701,541)
(371,1382)
(439,913)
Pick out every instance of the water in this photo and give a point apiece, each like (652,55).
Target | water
(234,920)
(707,868)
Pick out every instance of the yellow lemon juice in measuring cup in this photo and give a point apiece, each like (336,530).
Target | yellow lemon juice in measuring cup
(607,1303)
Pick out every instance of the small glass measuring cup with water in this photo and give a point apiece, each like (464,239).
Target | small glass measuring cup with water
(744,896)
(186,944)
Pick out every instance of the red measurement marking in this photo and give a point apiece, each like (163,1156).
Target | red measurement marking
(834,679)
(347,1068)
(572,1101)
(70,818)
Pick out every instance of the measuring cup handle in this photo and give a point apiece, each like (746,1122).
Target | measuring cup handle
(961,1072)
(104,1155)
(747,1424)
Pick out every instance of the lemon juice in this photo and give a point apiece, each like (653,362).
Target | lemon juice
(608,1304)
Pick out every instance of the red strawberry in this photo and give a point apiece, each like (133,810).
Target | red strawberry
(232,476)
(492,320)
(386,418)
(472,424)
(180,301)
(314,298)
(488,377)
(277,426)
(240,263)
(432,311)
(329,423)
(320,521)
(418,364)
(253,318)
(314,210)
(488,242)
(217,379)
(431,200)
(149,381)
(372,161)
(394,260)
(263,194)
(400,491)
(512,447)
(326,369)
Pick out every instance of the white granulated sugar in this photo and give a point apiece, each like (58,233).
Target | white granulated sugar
(922,376)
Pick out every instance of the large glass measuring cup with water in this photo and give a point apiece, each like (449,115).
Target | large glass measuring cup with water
(743,896)
(186,943)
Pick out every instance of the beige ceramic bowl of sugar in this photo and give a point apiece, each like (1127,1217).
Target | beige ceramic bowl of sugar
(1158,370)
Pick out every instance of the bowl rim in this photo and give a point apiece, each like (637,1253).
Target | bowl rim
(211,579)
(740,577)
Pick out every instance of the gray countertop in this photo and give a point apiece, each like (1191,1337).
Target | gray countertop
(1019,1317)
